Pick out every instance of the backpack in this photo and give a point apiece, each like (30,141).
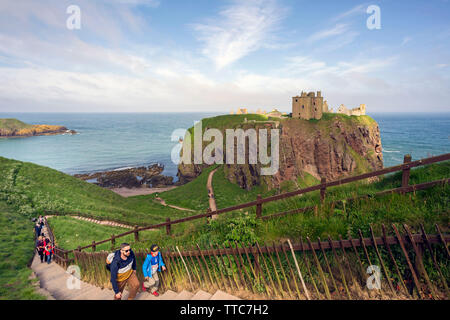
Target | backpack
(109,259)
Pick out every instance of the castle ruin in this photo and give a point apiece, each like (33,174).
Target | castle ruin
(308,106)
(312,106)
(359,111)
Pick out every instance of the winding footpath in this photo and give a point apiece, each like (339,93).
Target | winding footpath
(102,222)
(212,200)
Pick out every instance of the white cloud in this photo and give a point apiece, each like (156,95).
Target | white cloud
(332,32)
(240,29)
(359,9)
(405,40)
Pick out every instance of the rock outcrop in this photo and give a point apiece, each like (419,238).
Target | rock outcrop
(130,177)
(334,147)
(16,128)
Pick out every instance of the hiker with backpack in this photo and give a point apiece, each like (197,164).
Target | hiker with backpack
(40,247)
(122,265)
(153,263)
(37,229)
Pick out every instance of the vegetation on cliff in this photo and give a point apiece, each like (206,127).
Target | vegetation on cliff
(17,128)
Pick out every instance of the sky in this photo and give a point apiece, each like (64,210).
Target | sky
(219,55)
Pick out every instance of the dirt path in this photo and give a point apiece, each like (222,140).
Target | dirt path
(127,192)
(212,200)
(102,222)
(163,202)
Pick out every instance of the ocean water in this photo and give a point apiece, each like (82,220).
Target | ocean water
(112,141)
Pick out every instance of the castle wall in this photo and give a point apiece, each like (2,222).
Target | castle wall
(307,106)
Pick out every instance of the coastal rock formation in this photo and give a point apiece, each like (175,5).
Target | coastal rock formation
(330,148)
(16,128)
(130,177)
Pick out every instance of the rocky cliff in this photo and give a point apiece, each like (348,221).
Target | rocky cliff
(334,147)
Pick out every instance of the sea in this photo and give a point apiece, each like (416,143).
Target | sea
(110,141)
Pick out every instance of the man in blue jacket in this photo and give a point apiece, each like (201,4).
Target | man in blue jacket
(123,272)
(152,264)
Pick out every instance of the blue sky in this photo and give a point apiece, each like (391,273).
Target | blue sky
(218,55)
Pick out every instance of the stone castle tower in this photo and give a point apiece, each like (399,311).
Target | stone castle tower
(308,106)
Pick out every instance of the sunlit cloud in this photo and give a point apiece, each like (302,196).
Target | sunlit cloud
(239,29)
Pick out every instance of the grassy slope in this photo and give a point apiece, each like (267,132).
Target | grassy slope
(16,249)
(33,188)
(427,207)
(192,195)
(13,124)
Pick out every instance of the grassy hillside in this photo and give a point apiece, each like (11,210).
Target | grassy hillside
(427,207)
(16,250)
(32,189)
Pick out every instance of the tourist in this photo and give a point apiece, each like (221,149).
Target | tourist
(37,229)
(40,247)
(49,250)
(41,221)
(123,272)
(152,264)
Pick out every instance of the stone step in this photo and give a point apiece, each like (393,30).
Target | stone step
(169,295)
(220,295)
(184,295)
(201,295)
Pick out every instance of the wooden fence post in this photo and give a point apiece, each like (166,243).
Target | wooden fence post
(258,207)
(113,242)
(322,190)
(405,175)
(168,227)
(93,246)
(136,233)
(208,217)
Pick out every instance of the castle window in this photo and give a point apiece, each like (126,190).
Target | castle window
(303,107)
(296,100)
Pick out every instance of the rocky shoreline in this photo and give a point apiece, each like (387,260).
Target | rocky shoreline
(130,178)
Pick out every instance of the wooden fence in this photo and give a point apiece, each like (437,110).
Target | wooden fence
(258,203)
(410,266)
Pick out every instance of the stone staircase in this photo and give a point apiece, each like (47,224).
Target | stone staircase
(54,282)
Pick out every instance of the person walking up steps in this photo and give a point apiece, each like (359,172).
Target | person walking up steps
(40,247)
(123,272)
(49,252)
(37,229)
(152,264)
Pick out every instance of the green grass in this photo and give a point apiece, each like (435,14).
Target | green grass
(13,124)
(32,189)
(16,250)
(192,195)
(427,207)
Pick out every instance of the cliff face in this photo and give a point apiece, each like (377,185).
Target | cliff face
(334,147)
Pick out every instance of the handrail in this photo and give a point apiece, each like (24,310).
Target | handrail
(260,201)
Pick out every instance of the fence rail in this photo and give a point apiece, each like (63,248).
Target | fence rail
(258,203)
(330,269)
